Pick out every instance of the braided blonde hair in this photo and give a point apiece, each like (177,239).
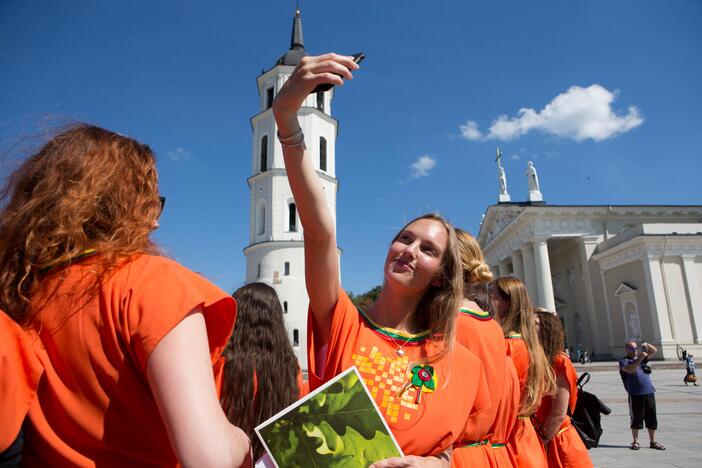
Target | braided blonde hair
(475,270)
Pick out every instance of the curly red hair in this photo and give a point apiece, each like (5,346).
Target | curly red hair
(87,187)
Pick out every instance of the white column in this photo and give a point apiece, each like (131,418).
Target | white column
(587,246)
(544,286)
(528,261)
(517,265)
(660,318)
(503,267)
(693,284)
(609,313)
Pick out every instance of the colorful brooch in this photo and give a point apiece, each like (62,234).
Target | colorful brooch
(423,380)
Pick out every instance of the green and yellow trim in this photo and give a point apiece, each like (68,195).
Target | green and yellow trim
(475,444)
(479,315)
(84,253)
(497,445)
(514,336)
(391,333)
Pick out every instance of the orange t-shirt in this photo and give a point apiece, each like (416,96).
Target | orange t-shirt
(524,444)
(482,336)
(561,367)
(20,370)
(425,428)
(94,405)
(517,350)
(566,449)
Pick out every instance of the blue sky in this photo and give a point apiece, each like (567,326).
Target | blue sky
(610,90)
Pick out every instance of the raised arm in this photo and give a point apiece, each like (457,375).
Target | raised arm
(321,257)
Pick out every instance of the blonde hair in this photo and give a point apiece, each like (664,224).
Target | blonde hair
(475,270)
(436,311)
(520,318)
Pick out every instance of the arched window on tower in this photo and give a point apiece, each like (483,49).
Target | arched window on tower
(320,100)
(292,217)
(269,98)
(261,218)
(296,338)
(322,154)
(264,153)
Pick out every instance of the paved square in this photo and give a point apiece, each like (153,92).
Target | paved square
(679,420)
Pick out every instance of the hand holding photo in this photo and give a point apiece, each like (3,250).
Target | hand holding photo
(338,425)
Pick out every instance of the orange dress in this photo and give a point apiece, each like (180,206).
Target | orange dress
(94,405)
(524,444)
(506,417)
(424,422)
(20,370)
(566,449)
(482,336)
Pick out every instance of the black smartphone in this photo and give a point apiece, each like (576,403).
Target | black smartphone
(358,58)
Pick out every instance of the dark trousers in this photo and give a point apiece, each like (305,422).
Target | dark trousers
(642,408)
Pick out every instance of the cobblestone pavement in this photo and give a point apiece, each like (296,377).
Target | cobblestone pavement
(679,420)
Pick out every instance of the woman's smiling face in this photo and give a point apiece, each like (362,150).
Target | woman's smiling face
(415,257)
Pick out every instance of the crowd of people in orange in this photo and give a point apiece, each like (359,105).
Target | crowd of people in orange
(113,354)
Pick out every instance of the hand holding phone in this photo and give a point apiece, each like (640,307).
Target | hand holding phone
(358,58)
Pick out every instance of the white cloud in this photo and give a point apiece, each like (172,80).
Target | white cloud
(515,157)
(180,154)
(422,166)
(578,114)
(470,131)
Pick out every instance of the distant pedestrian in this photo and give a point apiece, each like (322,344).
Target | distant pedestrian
(690,376)
(636,376)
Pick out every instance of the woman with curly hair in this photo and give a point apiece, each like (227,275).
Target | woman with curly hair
(516,315)
(564,447)
(261,374)
(127,338)
(402,345)
(483,443)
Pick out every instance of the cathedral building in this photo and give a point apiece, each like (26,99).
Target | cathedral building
(275,254)
(611,272)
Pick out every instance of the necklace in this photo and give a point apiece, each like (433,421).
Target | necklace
(399,351)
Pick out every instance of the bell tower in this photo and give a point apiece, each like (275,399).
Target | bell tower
(275,254)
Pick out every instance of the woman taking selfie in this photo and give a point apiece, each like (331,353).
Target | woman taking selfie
(127,338)
(425,388)
(564,447)
(480,334)
(515,313)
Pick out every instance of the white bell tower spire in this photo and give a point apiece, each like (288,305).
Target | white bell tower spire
(275,254)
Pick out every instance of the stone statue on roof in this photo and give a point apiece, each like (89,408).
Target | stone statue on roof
(502,176)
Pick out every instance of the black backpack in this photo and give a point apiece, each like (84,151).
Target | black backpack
(587,414)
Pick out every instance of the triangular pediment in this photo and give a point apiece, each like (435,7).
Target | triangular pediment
(624,288)
(496,219)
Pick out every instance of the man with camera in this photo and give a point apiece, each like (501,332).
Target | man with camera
(635,374)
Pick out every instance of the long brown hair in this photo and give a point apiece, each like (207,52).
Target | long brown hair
(550,334)
(436,311)
(520,319)
(258,344)
(87,187)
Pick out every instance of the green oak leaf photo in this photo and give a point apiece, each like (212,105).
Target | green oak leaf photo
(337,426)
